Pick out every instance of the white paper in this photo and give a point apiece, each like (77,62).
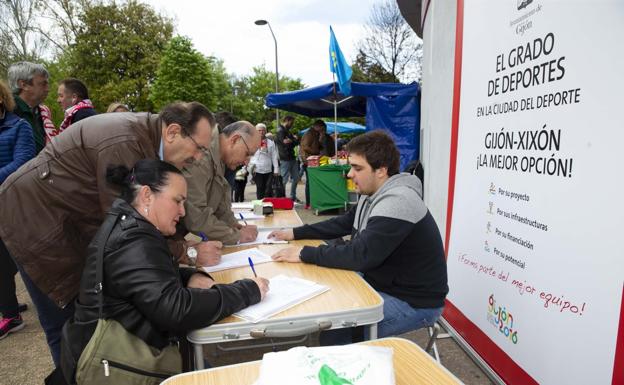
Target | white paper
(284,293)
(263,238)
(248,215)
(238,259)
(359,364)
(242,206)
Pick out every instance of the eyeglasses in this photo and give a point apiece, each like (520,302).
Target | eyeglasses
(249,153)
(199,147)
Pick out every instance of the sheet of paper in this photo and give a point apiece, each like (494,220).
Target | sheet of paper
(238,259)
(242,206)
(284,293)
(263,238)
(248,215)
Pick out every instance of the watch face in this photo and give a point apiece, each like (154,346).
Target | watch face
(191,252)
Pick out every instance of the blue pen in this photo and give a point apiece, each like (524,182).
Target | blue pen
(252,267)
(203,236)
(242,218)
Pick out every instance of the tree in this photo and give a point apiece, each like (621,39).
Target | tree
(391,44)
(19,39)
(183,74)
(364,70)
(117,51)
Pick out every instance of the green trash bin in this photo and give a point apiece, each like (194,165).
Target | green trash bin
(328,187)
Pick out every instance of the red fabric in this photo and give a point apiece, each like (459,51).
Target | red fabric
(280,203)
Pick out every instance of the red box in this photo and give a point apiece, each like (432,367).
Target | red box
(281,203)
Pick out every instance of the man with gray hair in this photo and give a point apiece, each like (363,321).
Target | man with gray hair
(264,161)
(209,204)
(29,84)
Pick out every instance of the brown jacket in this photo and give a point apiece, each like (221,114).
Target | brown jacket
(53,205)
(311,144)
(208,204)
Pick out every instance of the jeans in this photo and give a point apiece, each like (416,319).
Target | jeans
(8,300)
(399,317)
(307,186)
(51,317)
(290,168)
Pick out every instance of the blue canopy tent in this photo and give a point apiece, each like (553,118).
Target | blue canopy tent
(341,128)
(392,107)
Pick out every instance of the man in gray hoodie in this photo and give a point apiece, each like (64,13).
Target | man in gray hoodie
(395,242)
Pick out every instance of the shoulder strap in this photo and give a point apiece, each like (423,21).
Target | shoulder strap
(107,228)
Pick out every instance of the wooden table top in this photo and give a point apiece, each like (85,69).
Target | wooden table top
(412,366)
(285,219)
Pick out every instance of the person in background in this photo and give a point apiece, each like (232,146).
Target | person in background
(117,107)
(315,142)
(29,84)
(52,206)
(208,207)
(286,143)
(73,97)
(395,242)
(17,146)
(143,289)
(241,181)
(264,163)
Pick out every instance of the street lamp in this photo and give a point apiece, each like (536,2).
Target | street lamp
(263,22)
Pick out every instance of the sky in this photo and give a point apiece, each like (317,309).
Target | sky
(226,29)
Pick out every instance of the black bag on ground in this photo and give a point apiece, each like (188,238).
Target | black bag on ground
(275,187)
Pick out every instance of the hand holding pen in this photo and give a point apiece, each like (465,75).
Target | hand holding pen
(263,283)
(208,252)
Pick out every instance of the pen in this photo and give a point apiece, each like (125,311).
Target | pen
(242,218)
(203,236)
(252,267)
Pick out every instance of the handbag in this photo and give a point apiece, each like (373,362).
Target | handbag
(275,187)
(113,355)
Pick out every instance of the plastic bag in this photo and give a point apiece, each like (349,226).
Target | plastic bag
(331,365)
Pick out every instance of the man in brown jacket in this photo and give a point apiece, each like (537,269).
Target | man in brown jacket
(53,205)
(208,205)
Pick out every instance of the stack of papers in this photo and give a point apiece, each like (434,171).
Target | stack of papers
(239,259)
(242,205)
(284,293)
(248,216)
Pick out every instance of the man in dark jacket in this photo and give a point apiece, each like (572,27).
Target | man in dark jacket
(286,142)
(53,205)
(395,241)
(73,97)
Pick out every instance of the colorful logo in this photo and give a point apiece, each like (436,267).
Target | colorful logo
(503,320)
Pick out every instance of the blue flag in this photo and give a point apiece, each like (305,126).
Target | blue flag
(338,64)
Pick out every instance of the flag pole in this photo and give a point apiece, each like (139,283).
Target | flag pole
(335,119)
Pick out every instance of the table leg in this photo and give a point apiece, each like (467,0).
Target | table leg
(372,331)
(198,352)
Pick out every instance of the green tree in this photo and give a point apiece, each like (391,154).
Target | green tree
(183,74)
(250,92)
(364,70)
(117,50)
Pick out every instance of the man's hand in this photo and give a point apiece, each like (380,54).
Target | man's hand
(200,281)
(263,285)
(289,254)
(287,141)
(208,253)
(282,235)
(248,233)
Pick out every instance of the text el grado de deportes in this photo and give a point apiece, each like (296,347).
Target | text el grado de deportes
(545,140)
(549,301)
(525,66)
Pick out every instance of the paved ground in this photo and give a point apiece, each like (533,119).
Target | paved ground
(25,359)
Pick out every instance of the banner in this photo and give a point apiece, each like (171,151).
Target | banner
(535,258)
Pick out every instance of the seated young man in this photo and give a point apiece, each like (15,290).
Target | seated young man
(395,242)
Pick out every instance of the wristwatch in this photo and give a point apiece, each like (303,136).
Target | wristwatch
(191,253)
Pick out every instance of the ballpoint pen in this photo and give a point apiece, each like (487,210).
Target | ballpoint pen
(203,236)
(242,218)
(252,266)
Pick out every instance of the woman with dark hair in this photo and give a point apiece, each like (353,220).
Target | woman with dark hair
(143,288)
